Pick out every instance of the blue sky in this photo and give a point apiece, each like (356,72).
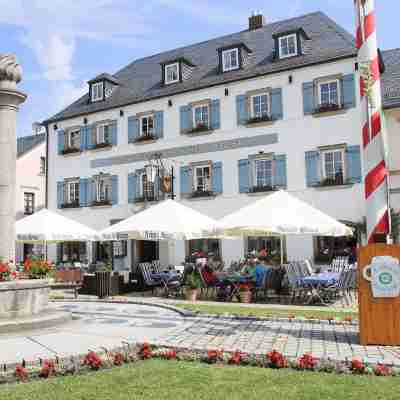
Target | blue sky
(61,44)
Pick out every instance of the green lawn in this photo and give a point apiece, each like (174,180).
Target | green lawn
(265,311)
(163,380)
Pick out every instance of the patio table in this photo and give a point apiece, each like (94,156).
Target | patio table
(317,283)
(234,280)
(165,277)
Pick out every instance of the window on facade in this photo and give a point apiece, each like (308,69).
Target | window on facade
(288,46)
(103,189)
(74,137)
(333,166)
(329,93)
(42,165)
(204,247)
(263,173)
(172,73)
(147,125)
(97,91)
(202,178)
(264,246)
(29,203)
(260,106)
(201,116)
(71,252)
(103,134)
(230,59)
(120,248)
(146,188)
(72,188)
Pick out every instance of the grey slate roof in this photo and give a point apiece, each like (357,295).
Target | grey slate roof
(27,143)
(141,80)
(391,78)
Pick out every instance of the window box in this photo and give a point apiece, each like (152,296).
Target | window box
(327,108)
(200,128)
(70,205)
(338,181)
(264,118)
(202,193)
(101,203)
(145,138)
(259,189)
(70,150)
(101,146)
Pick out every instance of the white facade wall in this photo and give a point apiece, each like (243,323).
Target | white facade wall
(296,135)
(392,119)
(29,180)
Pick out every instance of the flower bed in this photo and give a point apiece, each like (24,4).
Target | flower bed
(129,353)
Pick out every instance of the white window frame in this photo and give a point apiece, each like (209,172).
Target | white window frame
(149,133)
(268,104)
(230,67)
(207,185)
(102,191)
(42,166)
(328,81)
(100,134)
(343,152)
(208,122)
(97,91)
(255,170)
(73,199)
(288,37)
(168,66)
(72,131)
(150,190)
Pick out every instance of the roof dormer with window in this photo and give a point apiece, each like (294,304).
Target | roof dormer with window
(233,57)
(101,87)
(175,71)
(289,43)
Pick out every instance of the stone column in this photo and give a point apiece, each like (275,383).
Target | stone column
(10,99)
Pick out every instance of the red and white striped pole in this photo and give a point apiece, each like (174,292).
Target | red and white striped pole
(373,136)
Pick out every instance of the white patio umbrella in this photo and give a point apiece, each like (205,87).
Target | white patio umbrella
(47,226)
(281,214)
(166,220)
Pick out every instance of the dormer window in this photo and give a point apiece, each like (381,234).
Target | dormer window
(97,91)
(171,73)
(288,46)
(230,60)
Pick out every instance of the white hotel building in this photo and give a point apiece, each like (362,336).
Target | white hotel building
(274,106)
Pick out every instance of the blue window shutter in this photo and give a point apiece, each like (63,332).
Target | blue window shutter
(308,98)
(276,104)
(353,164)
(91,192)
(348,91)
(185,180)
(280,178)
(83,192)
(89,137)
(241,109)
(60,194)
(244,175)
(83,138)
(114,189)
(132,190)
(159,124)
(215,114)
(61,140)
(313,175)
(133,129)
(186,118)
(114,133)
(217,177)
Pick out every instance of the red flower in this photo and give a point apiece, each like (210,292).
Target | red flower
(119,359)
(236,358)
(357,366)
(48,369)
(21,373)
(145,351)
(307,362)
(214,355)
(349,318)
(93,360)
(27,264)
(382,370)
(276,359)
(170,354)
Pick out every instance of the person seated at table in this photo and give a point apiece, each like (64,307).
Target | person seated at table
(210,278)
(256,270)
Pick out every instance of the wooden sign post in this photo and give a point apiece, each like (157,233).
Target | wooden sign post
(379,316)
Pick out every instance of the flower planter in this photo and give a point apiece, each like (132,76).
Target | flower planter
(245,296)
(191,294)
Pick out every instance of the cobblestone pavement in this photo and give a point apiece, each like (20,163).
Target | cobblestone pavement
(323,340)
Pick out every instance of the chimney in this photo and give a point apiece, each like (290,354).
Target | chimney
(256,21)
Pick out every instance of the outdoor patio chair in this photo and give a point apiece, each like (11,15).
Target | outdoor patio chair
(296,287)
(338,263)
(340,289)
(145,269)
(156,266)
(205,287)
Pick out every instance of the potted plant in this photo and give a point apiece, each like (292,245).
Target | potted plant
(193,284)
(36,268)
(5,273)
(245,293)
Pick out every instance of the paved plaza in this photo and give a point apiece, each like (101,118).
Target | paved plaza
(99,324)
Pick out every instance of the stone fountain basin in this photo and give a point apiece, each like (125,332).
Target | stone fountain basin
(23,298)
